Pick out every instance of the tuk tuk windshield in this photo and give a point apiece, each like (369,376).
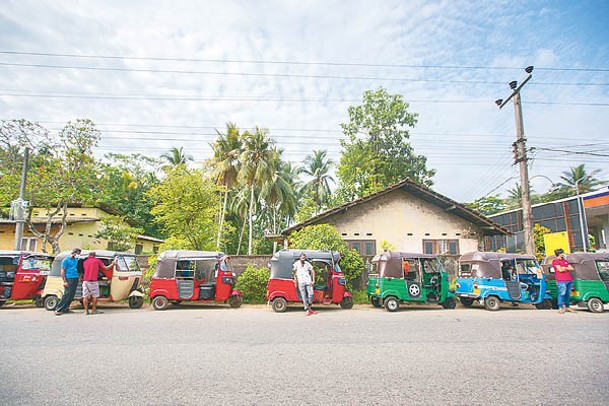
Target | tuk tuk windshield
(37,263)
(527,266)
(126,264)
(430,265)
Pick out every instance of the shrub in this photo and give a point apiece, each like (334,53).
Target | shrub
(252,283)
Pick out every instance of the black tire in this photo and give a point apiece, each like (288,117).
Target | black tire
(2,302)
(376,302)
(51,302)
(545,304)
(595,305)
(38,302)
(391,304)
(235,301)
(449,303)
(160,303)
(136,302)
(347,302)
(492,303)
(466,301)
(554,304)
(280,305)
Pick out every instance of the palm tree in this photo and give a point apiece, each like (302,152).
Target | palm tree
(257,160)
(175,157)
(225,165)
(317,166)
(578,180)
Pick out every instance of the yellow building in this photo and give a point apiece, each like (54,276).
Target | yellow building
(83,224)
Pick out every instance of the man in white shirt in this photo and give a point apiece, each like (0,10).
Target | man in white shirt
(304,278)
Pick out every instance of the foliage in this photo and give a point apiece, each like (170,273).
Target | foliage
(317,167)
(308,208)
(487,205)
(540,247)
(327,237)
(360,297)
(387,246)
(252,283)
(383,156)
(175,158)
(186,205)
(116,230)
(576,180)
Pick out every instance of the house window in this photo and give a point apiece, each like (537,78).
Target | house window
(29,243)
(138,249)
(366,248)
(155,249)
(441,247)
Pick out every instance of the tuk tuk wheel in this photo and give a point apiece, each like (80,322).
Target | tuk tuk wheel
(51,302)
(38,302)
(235,301)
(466,301)
(347,302)
(595,305)
(546,304)
(160,303)
(376,302)
(492,303)
(135,302)
(280,305)
(2,302)
(449,303)
(391,304)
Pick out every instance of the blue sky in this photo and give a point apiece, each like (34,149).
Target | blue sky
(449,59)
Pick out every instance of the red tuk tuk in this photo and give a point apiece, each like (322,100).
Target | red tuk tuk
(281,289)
(22,275)
(196,276)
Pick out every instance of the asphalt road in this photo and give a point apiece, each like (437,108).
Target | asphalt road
(252,356)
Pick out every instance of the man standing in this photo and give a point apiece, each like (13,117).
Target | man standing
(564,280)
(69,274)
(90,285)
(304,277)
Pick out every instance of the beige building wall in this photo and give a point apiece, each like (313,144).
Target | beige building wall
(404,221)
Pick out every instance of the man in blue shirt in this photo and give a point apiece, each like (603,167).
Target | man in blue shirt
(69,274)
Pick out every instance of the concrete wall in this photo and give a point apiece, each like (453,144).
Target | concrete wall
(404,221)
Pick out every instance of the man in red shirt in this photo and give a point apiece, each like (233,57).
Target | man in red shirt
(90,285)
(564,280)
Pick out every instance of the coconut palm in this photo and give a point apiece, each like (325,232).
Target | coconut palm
(317,166)
(257,160)
(225,165)
(175,157)
(578,180)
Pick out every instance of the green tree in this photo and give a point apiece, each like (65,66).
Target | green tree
(577,180)
(186,205)
(376,152)
(119,233)
(257,160)
(225,165)
(327,237)
(487,205)
(175,157)
(252,283)
(540,246)
(317,168)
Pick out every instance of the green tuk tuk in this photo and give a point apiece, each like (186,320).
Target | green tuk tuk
(399,277)
(590,279)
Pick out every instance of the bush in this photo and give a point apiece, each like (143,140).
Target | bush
(252,283)
(360,297)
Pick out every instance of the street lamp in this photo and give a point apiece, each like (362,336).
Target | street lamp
(580,208)
(521,159)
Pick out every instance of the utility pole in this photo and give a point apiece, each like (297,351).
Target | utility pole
(19,204)
(520,157)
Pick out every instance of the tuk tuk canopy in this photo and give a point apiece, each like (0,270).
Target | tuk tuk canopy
(584,264)
(488,264)
(391,264)
(84,254)
(167,261)
(282,261)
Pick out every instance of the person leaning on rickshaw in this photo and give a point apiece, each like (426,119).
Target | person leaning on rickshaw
(564,280)
(304,278)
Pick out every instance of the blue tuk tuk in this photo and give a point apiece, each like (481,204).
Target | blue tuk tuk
(493,277)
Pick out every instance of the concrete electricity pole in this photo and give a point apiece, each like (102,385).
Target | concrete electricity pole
(520,153)
(19,204)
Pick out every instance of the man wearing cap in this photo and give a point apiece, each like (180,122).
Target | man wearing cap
(90,285)
(69,274)
(304,277)
(564,280)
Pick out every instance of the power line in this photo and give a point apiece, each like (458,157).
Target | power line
(250,61)
(283,75)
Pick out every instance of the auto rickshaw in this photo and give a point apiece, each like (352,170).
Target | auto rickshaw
(124,282)
(590,279)
(195,276)
(23,275)
(400,277)
(329,286)
(494,277)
